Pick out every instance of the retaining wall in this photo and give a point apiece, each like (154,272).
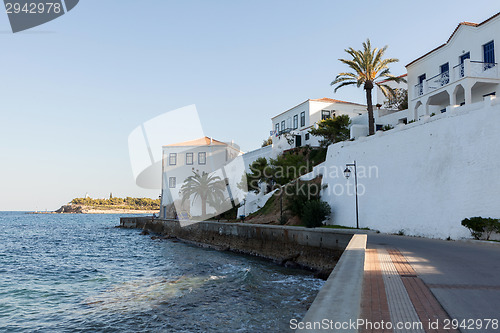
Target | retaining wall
(317,249)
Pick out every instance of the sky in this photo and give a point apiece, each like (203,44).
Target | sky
(73,89)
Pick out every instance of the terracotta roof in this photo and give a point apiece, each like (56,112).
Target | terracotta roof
(204,141)
(388,80)
(470,24)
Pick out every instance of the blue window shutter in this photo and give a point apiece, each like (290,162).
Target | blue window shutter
(489,52)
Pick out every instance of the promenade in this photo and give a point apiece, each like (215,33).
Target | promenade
(426,285)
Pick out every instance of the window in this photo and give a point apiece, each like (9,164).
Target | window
(189,158)
(420,85)
(462,60)
(302,119)
(445,74)
(277,128)
(489,55)
(444,68)
(464,56)
(202,158)
(172,159)
(307,136)
(296,121)
(282,125)
(325,114)
(171,182)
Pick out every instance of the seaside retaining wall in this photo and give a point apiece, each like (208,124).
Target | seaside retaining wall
(423,178)
(317,249)
(339,299)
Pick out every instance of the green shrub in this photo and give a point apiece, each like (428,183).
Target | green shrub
(315,212)
(318,155)
(304,192)
(479,225)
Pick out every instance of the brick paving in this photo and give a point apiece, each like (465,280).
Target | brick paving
(374,306)
(392,292)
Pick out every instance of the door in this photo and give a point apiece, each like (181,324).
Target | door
(464,56)
(298,141)
(462,60)
(489,55)
(445,74)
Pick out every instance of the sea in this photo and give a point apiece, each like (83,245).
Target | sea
(79,273)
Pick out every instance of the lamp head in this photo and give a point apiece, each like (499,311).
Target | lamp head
(347,172)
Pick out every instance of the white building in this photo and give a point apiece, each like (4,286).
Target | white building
(291,128)
(179,162)
(461,71)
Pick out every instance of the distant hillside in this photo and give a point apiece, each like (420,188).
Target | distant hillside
(111,205)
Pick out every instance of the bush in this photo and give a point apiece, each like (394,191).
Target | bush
(315,212)
(304,193)
(479,225)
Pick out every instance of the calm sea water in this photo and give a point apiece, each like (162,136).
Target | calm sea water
(77,273)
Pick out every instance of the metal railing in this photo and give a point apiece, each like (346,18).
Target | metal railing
(419,89)
(483,69)
(439,80)
(459,70)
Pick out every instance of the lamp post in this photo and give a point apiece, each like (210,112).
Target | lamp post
(347,174)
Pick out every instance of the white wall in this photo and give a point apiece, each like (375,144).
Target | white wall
(253,155)
(426,176)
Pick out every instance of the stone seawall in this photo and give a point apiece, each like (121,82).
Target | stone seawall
(316,249)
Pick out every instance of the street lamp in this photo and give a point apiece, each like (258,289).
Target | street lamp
(347,174)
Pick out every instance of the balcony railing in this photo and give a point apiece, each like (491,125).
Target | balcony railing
(459,70)
(419,89)
(472,69)
(483,69)
(439,80)
(287,130)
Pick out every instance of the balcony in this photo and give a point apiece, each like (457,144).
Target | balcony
(469,69)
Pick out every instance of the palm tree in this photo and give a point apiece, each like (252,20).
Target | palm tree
(207,188)
(368,66)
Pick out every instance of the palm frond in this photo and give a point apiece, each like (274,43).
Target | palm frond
(343,84)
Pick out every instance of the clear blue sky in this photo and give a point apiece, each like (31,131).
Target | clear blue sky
(73,89)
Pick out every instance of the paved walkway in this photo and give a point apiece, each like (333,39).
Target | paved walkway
(421,285)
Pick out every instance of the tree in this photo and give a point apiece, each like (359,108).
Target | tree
(208,188)
(368,66)
(399,101)
(332,130)
(260,172)
(267,142)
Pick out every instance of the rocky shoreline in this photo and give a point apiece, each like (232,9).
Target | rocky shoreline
(82,209)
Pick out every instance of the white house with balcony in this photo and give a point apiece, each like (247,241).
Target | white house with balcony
(291,128)
(461,71)
(179,162)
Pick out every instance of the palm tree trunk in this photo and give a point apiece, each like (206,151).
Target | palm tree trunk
(371,120)
(203,207)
